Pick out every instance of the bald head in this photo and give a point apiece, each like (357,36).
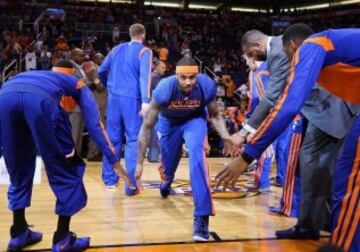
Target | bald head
(98,58)
(160,67)
(254,44)
(77,55)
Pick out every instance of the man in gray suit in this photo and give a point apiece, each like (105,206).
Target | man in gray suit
(261,47)
(77,123)
(322,140)
(100,95)
(328,119)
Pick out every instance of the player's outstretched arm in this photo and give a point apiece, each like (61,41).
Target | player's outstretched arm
(217,121)
(144,137)
(220,127)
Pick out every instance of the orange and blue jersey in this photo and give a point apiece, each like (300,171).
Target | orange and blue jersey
(126,71)
(57,85)
(331,58)
(183,119)
(177,106)
(258,80)
(345,217)
(257,85)
(32,118)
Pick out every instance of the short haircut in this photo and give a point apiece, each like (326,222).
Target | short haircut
(136,30)
(64,63)
(297,32)
(251,37)
(158,62)
(186,61)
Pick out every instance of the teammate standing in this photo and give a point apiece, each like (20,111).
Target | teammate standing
(126,72)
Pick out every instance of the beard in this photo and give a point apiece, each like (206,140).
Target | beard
(260,56)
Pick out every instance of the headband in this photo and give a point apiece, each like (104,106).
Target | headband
(64,70)
(187,69)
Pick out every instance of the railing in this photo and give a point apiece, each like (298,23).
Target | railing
(205,69)
(200,62)
(17,63)
(6,73)
(210,72)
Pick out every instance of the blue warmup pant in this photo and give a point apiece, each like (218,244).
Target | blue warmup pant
(122,119)
(193,132)
(30,120)
(154,148)
(262,177)
(281,148)
(346,196)
(290,198)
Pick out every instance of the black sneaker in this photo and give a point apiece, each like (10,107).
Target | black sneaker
(298,233)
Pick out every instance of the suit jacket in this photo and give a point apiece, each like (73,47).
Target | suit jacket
(80,75)
(278,67)
(329,113)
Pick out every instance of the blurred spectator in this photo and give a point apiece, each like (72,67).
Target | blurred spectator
(163,52)
(30,59)
(77,122)
(45,58)
(61,44)
(88,49)
(115,33)
(56,56)
(158,73)
(230,89)
(39,45)
(100,94)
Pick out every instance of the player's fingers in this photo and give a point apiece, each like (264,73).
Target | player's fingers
(232,183)
(129,183)
(226,184)
(220,173)
(221,178)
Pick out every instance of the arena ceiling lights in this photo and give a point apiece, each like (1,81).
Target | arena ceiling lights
(163,4)
(326,5)
(180,5)
(244,9)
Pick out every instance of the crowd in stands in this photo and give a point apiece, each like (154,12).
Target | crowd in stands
(41,34)
(44,33)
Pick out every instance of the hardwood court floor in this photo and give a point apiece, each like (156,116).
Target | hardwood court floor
(110,218)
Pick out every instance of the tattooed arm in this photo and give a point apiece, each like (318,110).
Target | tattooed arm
(144,137)
(217,121)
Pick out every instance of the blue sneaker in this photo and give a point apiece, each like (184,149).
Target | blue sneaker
(130,192)
(71,243)
(25,239)
(165,188)
(201,228)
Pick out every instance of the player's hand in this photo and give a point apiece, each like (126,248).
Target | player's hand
(237,139)
(120,171)
(248,138)
(233,146)
(138,174)
(236,151)
(144,109)
(230,174)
